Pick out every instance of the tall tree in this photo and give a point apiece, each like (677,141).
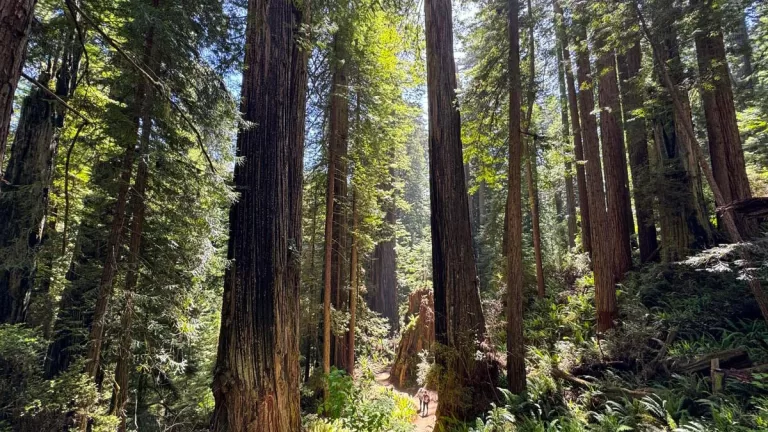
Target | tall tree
(16,16)
(637,142)
(338,135)
(725,149)
(602,239)
(24,202)
(138,209)
(683,220)
(256,380)
(530,160)
(578,149)
(614,155)
(115,239)
(570,197)
(459,320)
(28,177)
(514,219)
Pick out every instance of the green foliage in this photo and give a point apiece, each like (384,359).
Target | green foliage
(362,406)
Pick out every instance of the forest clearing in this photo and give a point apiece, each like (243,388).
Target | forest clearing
(383,215)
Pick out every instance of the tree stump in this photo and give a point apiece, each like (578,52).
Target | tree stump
(418,335)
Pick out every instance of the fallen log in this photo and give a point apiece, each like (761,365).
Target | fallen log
(734,358)
(618,391)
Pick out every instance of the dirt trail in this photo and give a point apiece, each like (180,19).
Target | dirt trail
(422,424)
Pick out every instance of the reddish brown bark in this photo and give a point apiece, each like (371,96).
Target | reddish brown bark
(15,22)
(338,136)
(514,219)
(459,320)
(256,380)
(725,149)
(614,159)
(637,141)
(602,261)
(419,335)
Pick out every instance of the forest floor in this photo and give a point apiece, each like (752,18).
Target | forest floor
(421,424)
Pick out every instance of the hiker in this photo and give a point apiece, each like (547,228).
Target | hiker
(425,400)
(420,397)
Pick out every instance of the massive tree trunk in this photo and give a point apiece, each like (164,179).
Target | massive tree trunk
(514,229)
(383,275)
(459,320)
(683,217)
(602,260)
(578,150)
(725,149)
(614,158)
(138,207)
(24,203)
(637,140)
(256,379)
(15,22)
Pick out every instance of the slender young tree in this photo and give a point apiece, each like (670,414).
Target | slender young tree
(459,320)
(514,219)
(570,197)
(16,18)
(114,241)
(530,160)
(637,140)
(354,289)
(578,149)
(256,379)
(138,208)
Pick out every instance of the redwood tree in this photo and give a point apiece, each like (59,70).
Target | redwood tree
(614,157)
(725,149)
(637,142)
(459,320)
(602,260)
(256,379)
(16,19)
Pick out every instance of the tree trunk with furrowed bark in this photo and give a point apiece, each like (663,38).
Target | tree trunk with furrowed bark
(602,260)
(15,22)
(459,320)
(256,379)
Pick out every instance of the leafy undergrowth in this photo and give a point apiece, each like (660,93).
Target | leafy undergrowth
(361,405)
(652,373)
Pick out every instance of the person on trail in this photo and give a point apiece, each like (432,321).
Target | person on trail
(425,399)
(420,397)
